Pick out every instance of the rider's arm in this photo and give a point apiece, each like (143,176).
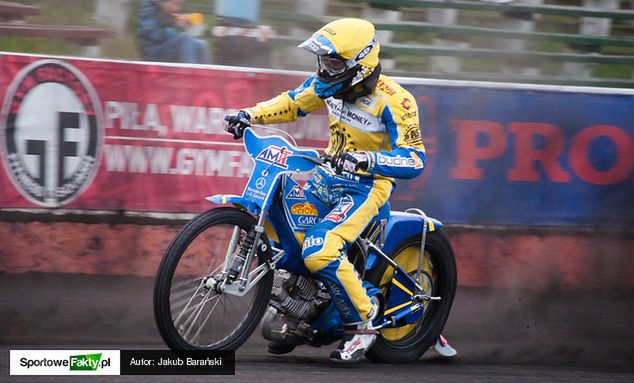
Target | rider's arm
(287,106)
(407,157)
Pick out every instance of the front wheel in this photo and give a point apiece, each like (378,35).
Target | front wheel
(190,311)
(409,342)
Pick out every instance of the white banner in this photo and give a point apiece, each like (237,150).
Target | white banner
(64,362)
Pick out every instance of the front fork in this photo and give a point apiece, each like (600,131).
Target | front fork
(237,278)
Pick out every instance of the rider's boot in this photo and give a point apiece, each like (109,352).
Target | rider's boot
(356,341)
(279,348)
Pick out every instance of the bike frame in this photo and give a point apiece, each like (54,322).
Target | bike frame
(279,204)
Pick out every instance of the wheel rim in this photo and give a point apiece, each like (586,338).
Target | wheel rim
(202,316)
(408,261)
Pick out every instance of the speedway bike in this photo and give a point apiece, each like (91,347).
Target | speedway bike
(239,265)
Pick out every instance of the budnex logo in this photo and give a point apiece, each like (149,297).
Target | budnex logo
(275,155)
(50,134)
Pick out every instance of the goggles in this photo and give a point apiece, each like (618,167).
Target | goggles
(331,65)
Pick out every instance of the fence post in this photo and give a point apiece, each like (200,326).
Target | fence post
(445,64)
(591,26)
(522,22)
(295,58)
(385,37)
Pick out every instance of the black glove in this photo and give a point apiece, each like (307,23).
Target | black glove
(237,122)
(350,162)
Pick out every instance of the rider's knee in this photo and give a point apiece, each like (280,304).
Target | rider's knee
(320,250)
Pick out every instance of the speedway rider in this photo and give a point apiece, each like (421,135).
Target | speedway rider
(374,133)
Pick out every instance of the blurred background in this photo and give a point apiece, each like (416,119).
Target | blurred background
(574,42)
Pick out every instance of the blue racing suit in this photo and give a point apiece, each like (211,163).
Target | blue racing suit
(384,125)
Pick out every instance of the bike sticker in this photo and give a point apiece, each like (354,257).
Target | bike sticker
(275,156)
(260,183)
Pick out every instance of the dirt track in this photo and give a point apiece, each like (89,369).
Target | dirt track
(573,329)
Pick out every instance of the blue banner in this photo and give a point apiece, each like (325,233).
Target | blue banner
(541,156)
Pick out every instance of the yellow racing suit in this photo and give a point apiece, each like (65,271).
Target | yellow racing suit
(384,125)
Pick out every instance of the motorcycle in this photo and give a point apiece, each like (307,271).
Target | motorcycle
(233,267)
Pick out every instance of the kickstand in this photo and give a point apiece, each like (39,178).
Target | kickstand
(443,348)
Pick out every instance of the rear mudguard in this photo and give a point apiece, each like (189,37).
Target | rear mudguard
(401,226)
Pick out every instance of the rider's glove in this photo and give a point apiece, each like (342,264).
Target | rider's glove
(350,162)
(237,122)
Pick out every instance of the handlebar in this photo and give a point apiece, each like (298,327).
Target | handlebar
(317,161)
(326,159)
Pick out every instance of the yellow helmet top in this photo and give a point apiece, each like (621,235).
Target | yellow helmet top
(351,39)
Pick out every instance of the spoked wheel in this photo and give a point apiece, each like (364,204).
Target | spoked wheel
(409,342)
(191,311)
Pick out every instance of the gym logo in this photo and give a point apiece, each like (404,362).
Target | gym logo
(51,138)
(275,155)
(339,213)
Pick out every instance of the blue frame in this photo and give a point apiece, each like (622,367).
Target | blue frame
(275,158)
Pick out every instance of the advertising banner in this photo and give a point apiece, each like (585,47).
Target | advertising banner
(526,156)
(108,135)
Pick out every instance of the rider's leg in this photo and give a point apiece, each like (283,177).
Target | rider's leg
(325,257)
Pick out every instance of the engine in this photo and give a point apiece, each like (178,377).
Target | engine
(295,302)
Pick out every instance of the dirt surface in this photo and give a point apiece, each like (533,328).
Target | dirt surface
(574,330)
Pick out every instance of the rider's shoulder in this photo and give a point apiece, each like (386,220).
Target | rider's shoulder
(387,87)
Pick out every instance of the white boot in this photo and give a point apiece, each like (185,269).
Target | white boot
(354,344)
(356,341)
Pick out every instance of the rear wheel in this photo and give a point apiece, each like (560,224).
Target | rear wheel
(190,311)
(409,342)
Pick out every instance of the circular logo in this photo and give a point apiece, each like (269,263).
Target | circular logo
(51,138)
(260,183)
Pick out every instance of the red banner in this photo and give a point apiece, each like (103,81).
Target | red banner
(111,135)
